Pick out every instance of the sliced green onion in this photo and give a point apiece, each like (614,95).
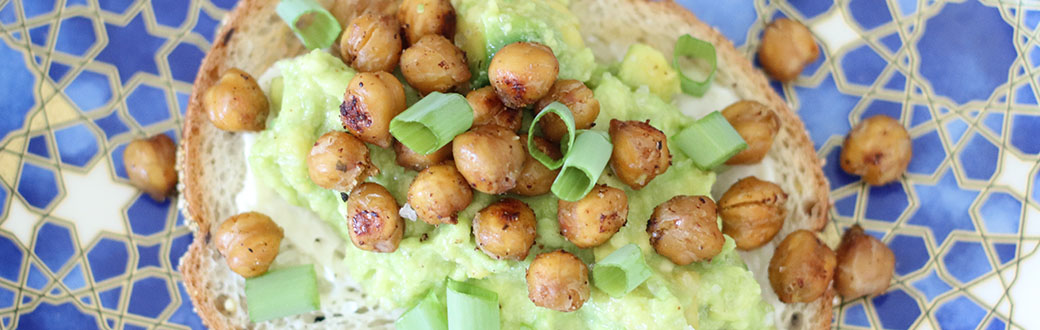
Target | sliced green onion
(429,314)
(432,122)
(282,292)
(314,25)
(710,141)
(621,271)
(688,46)
(471,307)
(565,146)
(583,166)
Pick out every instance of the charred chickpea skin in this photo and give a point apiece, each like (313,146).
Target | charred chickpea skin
(536,179)
(522,73)
(490,157)
(236,103)
(150,165)
(339,161)
(752,212)
(410,159)
(438,193)
(865,265)
(578,98)
(489,110)
(757,125)
(422,17)
(434,64)
(249,242)
(640,152)
(878,148)
(371,43)
(558,280)
(684,229)
(787,47)
(595,218)
(373,219)
(505,229)
(801,268)
(372,99)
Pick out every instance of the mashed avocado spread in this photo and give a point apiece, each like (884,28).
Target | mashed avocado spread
(720,294)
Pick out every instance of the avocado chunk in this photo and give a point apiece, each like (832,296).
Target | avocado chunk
(646,66)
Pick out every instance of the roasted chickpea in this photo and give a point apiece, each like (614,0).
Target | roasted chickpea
(434,64)
(489,110)
(438,193)
(558,281)
(752,212)
(878,148)
(684,229)
(150,165)
(757,125)
(640,152)
(422,17)
(371,43)
(578,98)
(595,218)
(801,268)
(787,47)
(865,265)
(536,179)
(522,73)
(249,242)
(490,157)
(339,161)
(408,158)
(236,103)
(372,99)
(505,229)
(373,219)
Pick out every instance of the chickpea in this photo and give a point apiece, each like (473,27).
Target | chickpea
(536,179)
(878,148)
(372,99)
(801,268)
(438,193)
(578,98)
(236,103)
(150,165)
(558,281)
(249,242)
(410,159)
(505,229)
(490,157)
(422,17)
(373,219)
(434,64)
(684,229)
(757,125)
(595,218)
(640,152)
(787,47)
(752,212)
(339,161)
(371,43)
(522,73)
(488,109)
(865,265)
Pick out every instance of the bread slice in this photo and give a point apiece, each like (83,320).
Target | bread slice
(253,37)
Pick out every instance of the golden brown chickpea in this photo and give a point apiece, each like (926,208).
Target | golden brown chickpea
(490,157)
(595,218)
(438,193)
(339,161)
(372,99)
(522,73)
(787,47)
(578,98)
(236,103)
(752,212)
(489,110)
(373,219)
(408,158)
(684,229)
(422,17)
(434,64)
(640,152)
(558,281)
(249,242)
(536,179)
(757,125)
(150,165)
(371,43)
(505,229)
(801,268)
(878,148)
(865,265)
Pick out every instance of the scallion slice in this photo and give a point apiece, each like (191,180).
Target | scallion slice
(429,314)
(282,292)
(432,122)
(565,146)
(471,307)
(688,46)
(621,271)
(583,165)
(710,141)
(314,25)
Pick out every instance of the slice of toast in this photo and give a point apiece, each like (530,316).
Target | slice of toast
(253,37)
